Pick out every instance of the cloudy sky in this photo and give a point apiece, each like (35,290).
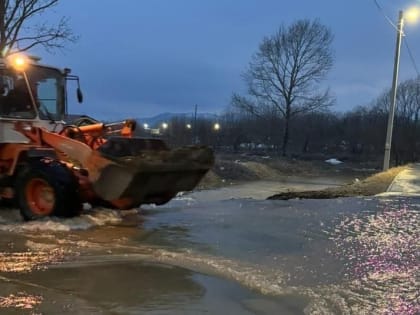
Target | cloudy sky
(139,58)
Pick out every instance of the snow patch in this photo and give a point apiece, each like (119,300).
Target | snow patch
(333,161)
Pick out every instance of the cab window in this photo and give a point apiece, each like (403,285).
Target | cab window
(48,85)
(15,100)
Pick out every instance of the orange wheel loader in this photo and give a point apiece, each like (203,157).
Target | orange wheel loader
(50,168)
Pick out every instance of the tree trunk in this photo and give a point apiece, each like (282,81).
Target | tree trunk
(286,131)
(2,27)
(305,148)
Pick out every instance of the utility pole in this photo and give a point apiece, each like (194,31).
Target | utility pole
(195,125)
(391,113)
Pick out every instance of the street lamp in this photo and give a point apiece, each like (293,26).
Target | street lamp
(411,16)
(164,126)
(216,127)
(188,126)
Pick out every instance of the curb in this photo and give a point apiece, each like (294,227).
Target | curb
(409,169)
(393,182)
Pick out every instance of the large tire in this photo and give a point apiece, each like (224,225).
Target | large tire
(46,188)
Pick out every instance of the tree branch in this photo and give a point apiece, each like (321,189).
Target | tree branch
(17,32)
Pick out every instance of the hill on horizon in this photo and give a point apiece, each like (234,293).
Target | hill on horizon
(165,117)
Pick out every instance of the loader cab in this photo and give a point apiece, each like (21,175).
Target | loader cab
(35,93)
(32,93)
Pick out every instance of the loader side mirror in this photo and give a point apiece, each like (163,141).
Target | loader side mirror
(69,77)
(79,95)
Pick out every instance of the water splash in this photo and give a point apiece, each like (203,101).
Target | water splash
(12,222)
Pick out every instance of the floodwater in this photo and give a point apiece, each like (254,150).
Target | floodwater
(217,252)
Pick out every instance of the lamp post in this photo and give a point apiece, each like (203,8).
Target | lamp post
(216,129)
(411,16)
(194,126)
(391,113)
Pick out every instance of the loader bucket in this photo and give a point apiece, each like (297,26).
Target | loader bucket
(146,171)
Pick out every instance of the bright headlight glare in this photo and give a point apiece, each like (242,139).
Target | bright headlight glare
(19,62)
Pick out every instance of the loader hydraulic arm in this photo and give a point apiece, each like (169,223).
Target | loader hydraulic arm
(73,149)
(94,134)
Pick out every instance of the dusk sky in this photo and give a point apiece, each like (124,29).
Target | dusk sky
(138,58)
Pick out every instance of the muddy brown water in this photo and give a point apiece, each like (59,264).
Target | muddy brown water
(225,251)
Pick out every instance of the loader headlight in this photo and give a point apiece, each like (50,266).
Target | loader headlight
(19,62)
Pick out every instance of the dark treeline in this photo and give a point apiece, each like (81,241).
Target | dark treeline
(358,134)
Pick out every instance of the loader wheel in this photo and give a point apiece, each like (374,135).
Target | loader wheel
(47,188)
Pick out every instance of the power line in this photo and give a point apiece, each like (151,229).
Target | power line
(413,61)
(385,15)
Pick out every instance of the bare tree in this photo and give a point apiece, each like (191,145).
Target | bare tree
(286,71)
(407,118)
(17,31)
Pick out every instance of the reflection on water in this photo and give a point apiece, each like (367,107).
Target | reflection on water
(28,261)
(381,251)
(20,300)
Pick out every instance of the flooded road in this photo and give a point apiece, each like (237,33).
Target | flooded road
(217,252)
